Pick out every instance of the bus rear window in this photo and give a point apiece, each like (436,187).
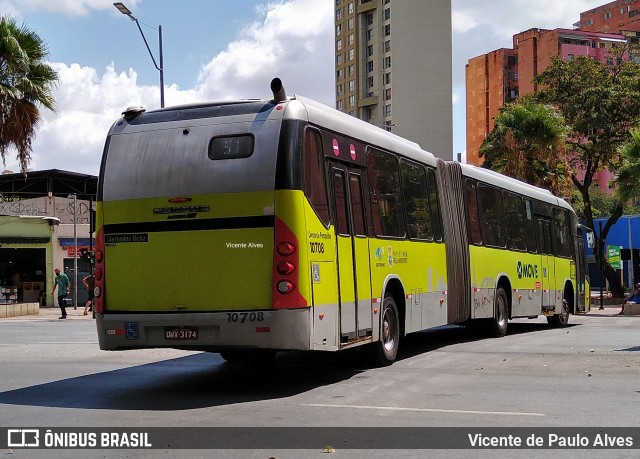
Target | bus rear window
(231,147)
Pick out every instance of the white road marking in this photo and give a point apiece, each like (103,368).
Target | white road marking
(428,410)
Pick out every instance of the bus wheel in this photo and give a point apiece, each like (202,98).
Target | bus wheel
(386,350)
(500,318)
(250,356)
(560,320)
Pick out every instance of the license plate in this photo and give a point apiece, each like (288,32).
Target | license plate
(180,333)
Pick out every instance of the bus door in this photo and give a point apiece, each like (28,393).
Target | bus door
(547,265)
(354,281)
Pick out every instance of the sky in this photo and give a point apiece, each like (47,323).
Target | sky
(217,50)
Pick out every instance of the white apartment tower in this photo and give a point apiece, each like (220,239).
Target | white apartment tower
(393,68)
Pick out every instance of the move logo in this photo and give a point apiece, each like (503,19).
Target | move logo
(527,271)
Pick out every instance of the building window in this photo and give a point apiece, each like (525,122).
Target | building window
(352,85)
(369,35)
(607,15)
(352,71)
(370,82)
(339,58)
(387,30)
(339,105)
(350,24)
(350,8)
(387,14)
(339,90)
(387,110)
(370,66)
(340,74)
(387,94)
(369,18)
(339,44)
(338,29)
(387,78)
(338,14)
(352,54)
(370,50)
(387,46)
(350,39)
(588,22)
(387,62)
(352,101)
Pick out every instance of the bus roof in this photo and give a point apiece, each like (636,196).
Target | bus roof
(510,183)
(299,107)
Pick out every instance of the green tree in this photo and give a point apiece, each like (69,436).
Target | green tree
(26,84)
(627,178)
(600,101)
(527,143)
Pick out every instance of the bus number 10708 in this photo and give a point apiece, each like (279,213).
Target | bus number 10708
(243,317)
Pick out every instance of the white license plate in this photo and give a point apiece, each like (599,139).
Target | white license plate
(181,333)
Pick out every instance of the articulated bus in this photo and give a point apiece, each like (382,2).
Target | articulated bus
(255,226)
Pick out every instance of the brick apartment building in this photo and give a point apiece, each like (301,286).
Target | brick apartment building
(500,76)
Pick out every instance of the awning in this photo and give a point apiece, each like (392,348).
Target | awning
(82,242)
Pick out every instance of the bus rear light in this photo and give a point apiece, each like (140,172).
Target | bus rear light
(284,267)
(286,294)
(99,256)
(285,286)
(98,272)
(286,248)
(97,292)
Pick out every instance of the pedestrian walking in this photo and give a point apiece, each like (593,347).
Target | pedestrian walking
(61,282)
(89,282)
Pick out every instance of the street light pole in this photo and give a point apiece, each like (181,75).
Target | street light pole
(124,10)
(75,252)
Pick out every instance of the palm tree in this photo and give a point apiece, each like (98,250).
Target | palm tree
(527,143)
(26,83)
(627,179)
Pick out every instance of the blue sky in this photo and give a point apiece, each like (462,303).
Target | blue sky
(220,49)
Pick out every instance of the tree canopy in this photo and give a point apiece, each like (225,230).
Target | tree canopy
(26,84)
(527,143)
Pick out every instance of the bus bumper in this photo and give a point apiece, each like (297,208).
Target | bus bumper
(279,329)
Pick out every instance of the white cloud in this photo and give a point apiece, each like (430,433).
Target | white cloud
(293,41)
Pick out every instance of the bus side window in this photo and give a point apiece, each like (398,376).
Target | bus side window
(530,228)
(561,238)
(314,184)
(436,218)
(491,220)
(514,222)
(472,213)
(384,185)
(416,201)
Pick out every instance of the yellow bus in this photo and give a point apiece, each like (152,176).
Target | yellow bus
(254,226)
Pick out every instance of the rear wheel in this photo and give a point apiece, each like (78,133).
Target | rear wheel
(560,320)
(386,349)
(501,314)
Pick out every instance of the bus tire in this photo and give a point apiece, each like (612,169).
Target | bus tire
(501,314)
(249,356)
(385,350)
(560,320)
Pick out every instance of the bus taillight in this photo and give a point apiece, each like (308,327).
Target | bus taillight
(98,271)
(285,269)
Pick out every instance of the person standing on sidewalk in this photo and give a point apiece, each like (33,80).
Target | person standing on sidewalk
(61,282)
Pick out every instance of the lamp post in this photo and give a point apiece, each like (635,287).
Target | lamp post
(124,10)
(75,252)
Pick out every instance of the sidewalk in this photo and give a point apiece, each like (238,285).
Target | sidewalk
(53,313)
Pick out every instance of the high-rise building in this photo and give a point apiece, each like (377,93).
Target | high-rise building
(500,76)
(620,16)
(393,68)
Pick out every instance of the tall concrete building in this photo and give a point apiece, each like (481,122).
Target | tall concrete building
(620,16)
(393,68)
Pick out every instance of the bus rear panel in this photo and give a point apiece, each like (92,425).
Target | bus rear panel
(189,233)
